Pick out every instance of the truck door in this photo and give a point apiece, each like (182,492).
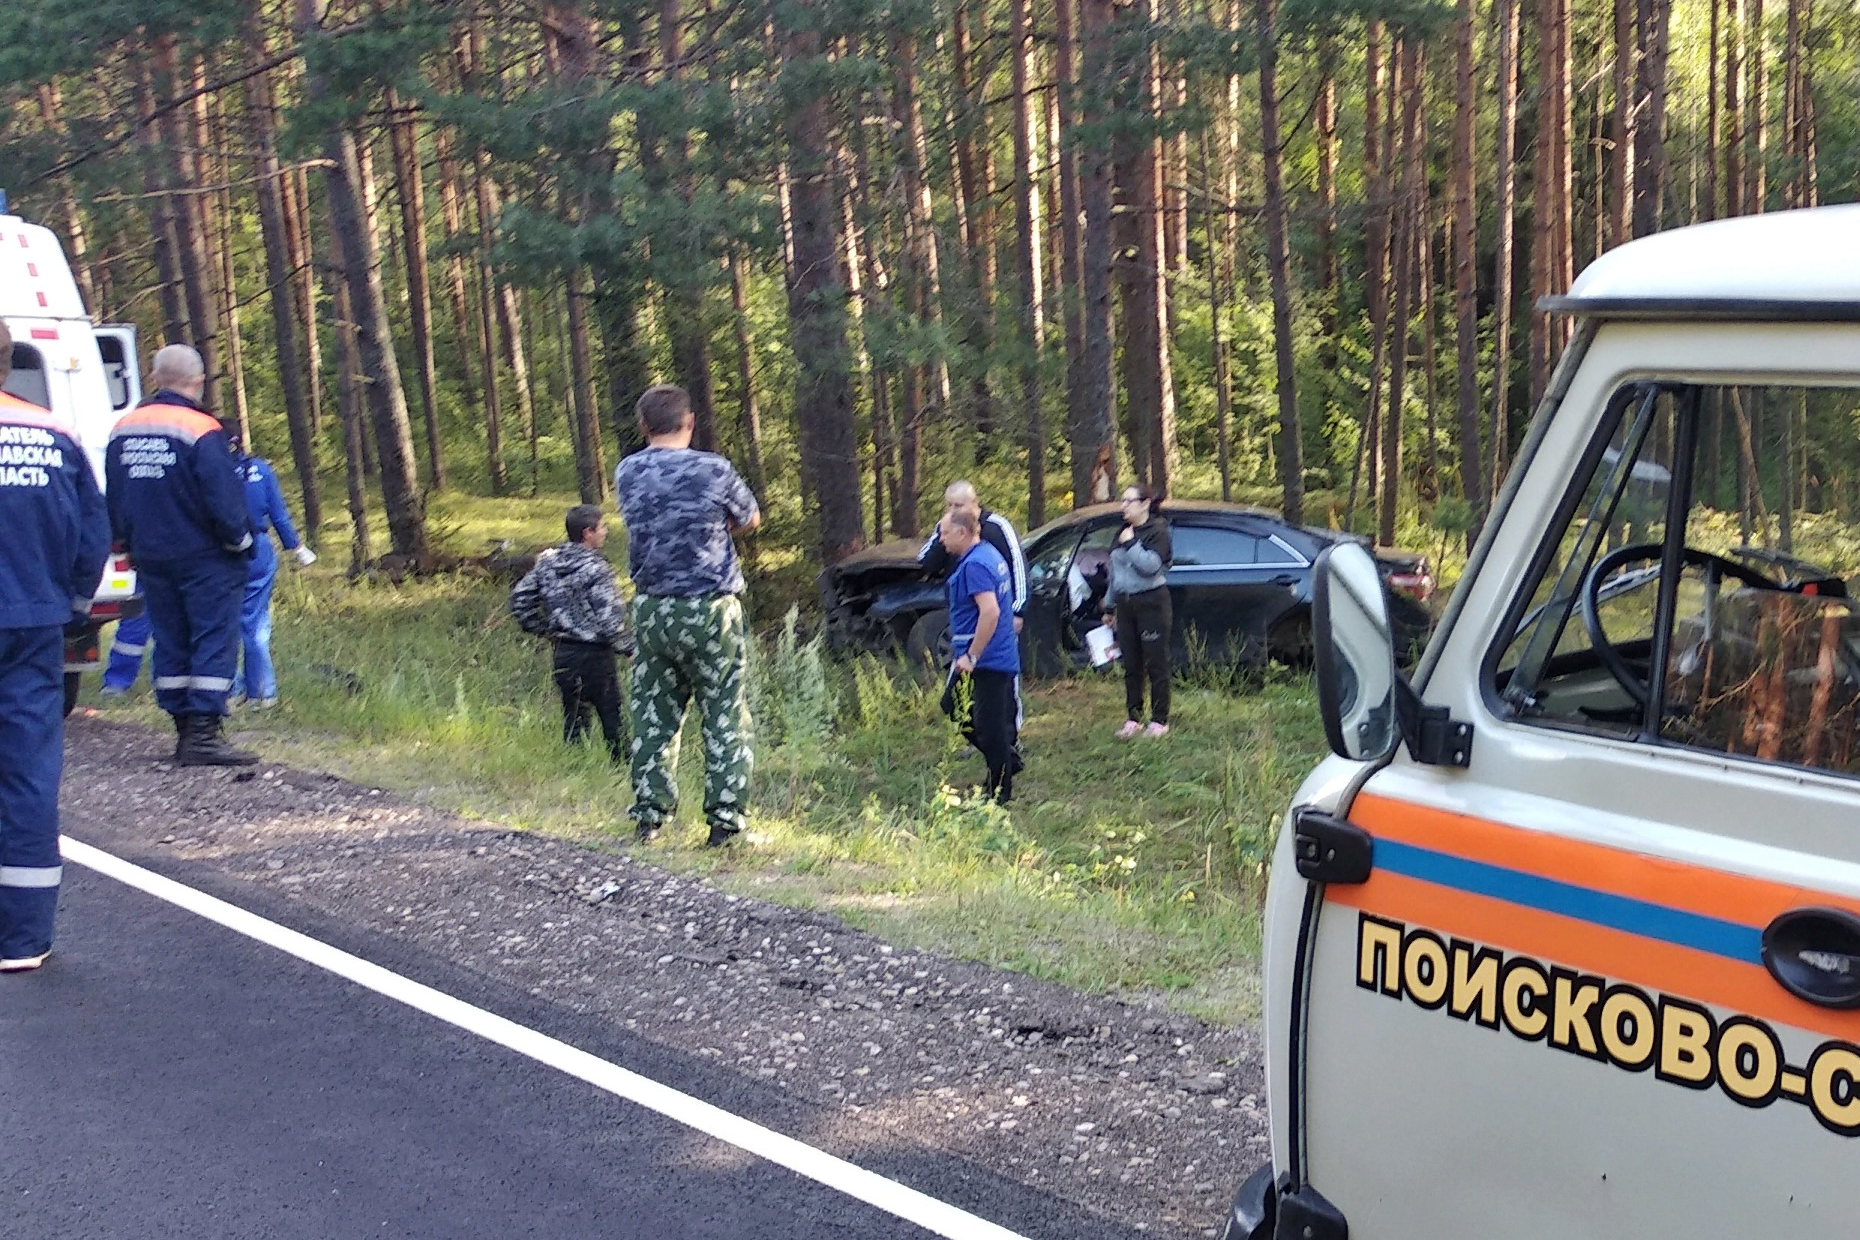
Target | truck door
(116,342)
(1605,980)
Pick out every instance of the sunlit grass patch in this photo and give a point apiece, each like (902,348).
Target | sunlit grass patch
(1123,866)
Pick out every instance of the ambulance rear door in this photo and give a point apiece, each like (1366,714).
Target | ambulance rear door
(1603,979)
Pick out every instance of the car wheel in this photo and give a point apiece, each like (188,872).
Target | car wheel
(1290,643)
(927,645)
(73,681)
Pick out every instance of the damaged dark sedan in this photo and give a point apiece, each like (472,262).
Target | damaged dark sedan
(1240,582)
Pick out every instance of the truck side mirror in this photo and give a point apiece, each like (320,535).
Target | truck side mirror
(1355,650)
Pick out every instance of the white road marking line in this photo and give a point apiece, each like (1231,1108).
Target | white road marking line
(938,1217)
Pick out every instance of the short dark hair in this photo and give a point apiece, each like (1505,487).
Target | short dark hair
(663,409)
(6,353)
(582,518)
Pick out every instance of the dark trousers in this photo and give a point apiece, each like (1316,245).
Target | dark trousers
(1143,625)
(986,706)
(32,760)
(193,607)
(590,685)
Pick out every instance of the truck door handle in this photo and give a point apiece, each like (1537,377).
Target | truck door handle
(1814,954)
(1285,579)
(1328,849)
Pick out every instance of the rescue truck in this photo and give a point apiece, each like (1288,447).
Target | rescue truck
(1564,938)
(86,373)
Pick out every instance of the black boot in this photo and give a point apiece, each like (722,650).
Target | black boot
(183,735)
(206,745)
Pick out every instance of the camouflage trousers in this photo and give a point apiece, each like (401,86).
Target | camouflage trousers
(690,648)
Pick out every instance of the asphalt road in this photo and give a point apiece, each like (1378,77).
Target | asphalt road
(165,1076)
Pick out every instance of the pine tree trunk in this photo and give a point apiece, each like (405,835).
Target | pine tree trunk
(261,115)
(1465,263)
(353,223)
(1149,388)
(590,470)
(176,326)
(1505,211)
(410,188)
(975,211)
(823,398)
(1756,168)
(1377,156)
(452,213)
(1094,434)
(210,131)
(1071,242)
(749,413)
(1028,260)
(1291,450)
(1733,137)
(1712,122)
(1655,23)
(1410,72)
(1621,126)
(296,202)
(50,108)
(193,260)
(349,401)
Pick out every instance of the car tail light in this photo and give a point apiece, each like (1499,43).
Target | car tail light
(1417,583)
(105,611)
(120,564)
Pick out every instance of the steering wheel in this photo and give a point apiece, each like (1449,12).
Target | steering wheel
(1636,682)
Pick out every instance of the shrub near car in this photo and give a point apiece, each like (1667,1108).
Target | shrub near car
(1240,585)
(1565,938)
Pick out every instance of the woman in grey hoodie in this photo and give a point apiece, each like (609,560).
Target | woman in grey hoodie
(1136,604)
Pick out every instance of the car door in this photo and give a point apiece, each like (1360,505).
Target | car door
(1046,618)
(1601,979)
(1228,587)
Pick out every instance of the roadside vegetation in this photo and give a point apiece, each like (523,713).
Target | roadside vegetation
(1122,866)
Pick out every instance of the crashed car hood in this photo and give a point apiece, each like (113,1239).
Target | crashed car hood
(898,553)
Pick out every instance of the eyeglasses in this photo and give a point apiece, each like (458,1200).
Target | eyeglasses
(1132,499)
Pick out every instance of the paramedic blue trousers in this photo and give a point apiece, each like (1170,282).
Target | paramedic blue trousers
(32,759)
(194,605)
(257,679)
(126,650)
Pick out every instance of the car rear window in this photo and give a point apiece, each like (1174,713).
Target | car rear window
(1199,546)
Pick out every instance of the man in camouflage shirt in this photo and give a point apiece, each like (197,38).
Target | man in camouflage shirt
(572,599)
(681,507)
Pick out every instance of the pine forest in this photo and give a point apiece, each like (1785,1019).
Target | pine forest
(1279,251)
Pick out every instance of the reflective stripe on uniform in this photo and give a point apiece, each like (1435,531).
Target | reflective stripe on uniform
(35,876)
(126,648)
(212,684)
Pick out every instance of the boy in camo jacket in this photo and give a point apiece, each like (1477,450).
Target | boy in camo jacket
(572,599)
(681,508)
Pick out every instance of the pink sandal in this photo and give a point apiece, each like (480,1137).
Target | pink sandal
(1156,729)
(1131,728)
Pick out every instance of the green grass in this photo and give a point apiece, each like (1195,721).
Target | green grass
(1121,867)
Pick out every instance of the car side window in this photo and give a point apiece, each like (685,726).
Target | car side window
(1272,552)
(1203,546)
(28,380)
(1051,558)
(1696,593)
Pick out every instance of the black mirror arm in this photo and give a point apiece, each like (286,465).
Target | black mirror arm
(1433,736)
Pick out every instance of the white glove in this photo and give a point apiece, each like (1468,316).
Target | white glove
(305,556)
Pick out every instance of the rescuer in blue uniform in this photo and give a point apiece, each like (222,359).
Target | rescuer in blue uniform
(264,501)
(177,503)
(56,539)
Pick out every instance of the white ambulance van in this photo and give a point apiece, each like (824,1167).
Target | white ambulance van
(86,373)
(1564,941)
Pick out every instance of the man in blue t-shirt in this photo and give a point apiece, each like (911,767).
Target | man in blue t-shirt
(982,695)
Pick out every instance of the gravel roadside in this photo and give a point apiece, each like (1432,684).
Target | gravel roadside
(1143,1116)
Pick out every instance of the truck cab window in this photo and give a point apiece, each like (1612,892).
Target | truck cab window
(1549,667)
(1754,647)
(28,380)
